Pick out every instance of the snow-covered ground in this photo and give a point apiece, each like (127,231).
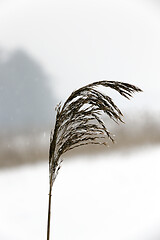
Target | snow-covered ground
(114,197)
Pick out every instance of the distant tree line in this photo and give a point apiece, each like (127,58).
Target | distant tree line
(26,98)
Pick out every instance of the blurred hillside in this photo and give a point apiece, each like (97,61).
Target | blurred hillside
(26,99)
(26,106)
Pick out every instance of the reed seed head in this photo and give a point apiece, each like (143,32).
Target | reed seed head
(79,122)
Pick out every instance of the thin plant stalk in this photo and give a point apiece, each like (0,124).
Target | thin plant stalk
(78,123)
(49,212)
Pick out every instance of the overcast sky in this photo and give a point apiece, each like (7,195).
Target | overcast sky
(82,41)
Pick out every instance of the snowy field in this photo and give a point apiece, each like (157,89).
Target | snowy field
(114,197)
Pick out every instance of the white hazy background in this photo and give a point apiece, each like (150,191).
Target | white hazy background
(77,42)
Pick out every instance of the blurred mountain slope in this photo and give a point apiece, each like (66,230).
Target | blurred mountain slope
(26,99)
